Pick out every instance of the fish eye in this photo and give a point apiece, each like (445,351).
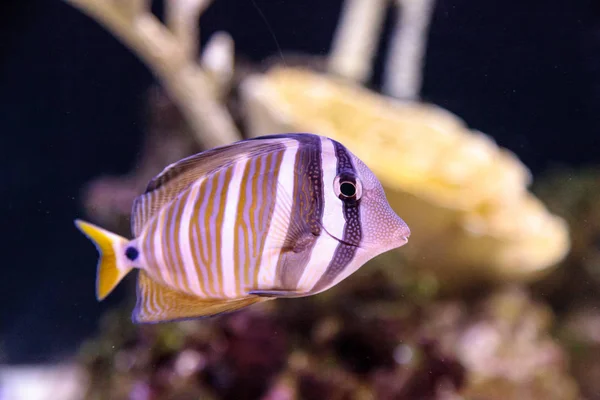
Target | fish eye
(347,188)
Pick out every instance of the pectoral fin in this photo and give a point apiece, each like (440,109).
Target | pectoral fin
(159,303)
(290,232)
(277,293)
(292,236)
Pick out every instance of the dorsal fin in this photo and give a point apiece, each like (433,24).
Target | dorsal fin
(179,176)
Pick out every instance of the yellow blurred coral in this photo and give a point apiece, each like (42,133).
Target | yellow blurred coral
(465,199)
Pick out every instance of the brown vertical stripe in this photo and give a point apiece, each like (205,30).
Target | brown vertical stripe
(200,259)
(241,269)
(307,209)
(165,231)
(218,235)
(209,235)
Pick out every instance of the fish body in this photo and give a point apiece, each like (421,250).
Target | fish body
(276,216)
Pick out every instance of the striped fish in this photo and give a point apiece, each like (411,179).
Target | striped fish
(276,216)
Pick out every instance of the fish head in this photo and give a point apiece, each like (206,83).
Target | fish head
(357,216)
(378,228)
(382,228)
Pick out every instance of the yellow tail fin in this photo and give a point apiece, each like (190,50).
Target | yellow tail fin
(112,265)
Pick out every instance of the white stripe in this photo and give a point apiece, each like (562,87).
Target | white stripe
(158,252)
(185,244)
(281,215)
(333,221)
(227,232)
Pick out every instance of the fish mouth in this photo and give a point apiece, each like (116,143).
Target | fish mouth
(404,239)
(338,239)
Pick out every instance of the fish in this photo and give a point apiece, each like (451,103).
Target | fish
(277,216)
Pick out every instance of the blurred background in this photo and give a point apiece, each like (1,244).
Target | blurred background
(78,105)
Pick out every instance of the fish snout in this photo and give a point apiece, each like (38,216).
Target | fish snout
(402,233)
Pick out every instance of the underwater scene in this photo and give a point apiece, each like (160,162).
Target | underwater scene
(300,199)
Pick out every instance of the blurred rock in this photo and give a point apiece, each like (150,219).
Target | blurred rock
(357,343)
(573,289)
(575,195)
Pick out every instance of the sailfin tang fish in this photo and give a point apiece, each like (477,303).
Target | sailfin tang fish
(276,216)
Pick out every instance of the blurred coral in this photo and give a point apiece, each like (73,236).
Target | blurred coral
(358,344)
(355,41)
(465,199)
(170,52)
(572,290)
(580,335)
(191,113)
(108,199)
(574,195)
(371,337)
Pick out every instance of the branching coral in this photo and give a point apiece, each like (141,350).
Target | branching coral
(170,52)
(169,138)
(404,67)
(197,89)
(356,37)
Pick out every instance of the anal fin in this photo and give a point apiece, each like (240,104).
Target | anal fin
(159,303)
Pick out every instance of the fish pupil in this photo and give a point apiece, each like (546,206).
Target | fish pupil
(347,189)
(131,253)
